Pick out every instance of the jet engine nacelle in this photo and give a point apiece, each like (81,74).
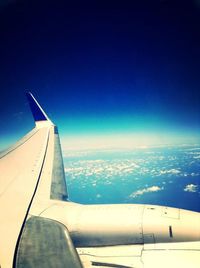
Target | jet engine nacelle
(101,225)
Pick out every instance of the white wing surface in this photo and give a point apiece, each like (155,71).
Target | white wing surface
(33,165)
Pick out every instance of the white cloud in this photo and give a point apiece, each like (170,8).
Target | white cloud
(170,171)
(102,168)
(191,188)
(196,157)
(146,190)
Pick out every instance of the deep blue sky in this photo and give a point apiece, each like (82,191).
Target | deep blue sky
(102,67)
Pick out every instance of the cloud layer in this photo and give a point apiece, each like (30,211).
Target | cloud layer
(146,190)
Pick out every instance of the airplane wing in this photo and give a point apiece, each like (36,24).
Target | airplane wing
(33,169)
(39,227)
(163,255)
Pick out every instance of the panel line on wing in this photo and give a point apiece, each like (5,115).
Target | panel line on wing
(26,215)
(105,264)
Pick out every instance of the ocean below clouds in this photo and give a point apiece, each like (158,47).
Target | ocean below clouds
(167,176)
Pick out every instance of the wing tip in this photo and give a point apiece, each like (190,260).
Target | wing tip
(36,109)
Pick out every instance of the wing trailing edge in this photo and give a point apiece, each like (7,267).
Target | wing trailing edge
(58,183)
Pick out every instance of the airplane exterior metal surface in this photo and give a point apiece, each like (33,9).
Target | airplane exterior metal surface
(40,227)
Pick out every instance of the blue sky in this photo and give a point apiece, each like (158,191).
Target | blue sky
(107,71)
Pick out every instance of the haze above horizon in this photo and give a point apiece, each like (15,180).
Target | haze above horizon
(109,74)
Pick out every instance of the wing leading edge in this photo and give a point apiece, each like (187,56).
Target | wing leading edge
(31,175)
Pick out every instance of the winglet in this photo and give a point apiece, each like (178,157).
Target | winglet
(37,111)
